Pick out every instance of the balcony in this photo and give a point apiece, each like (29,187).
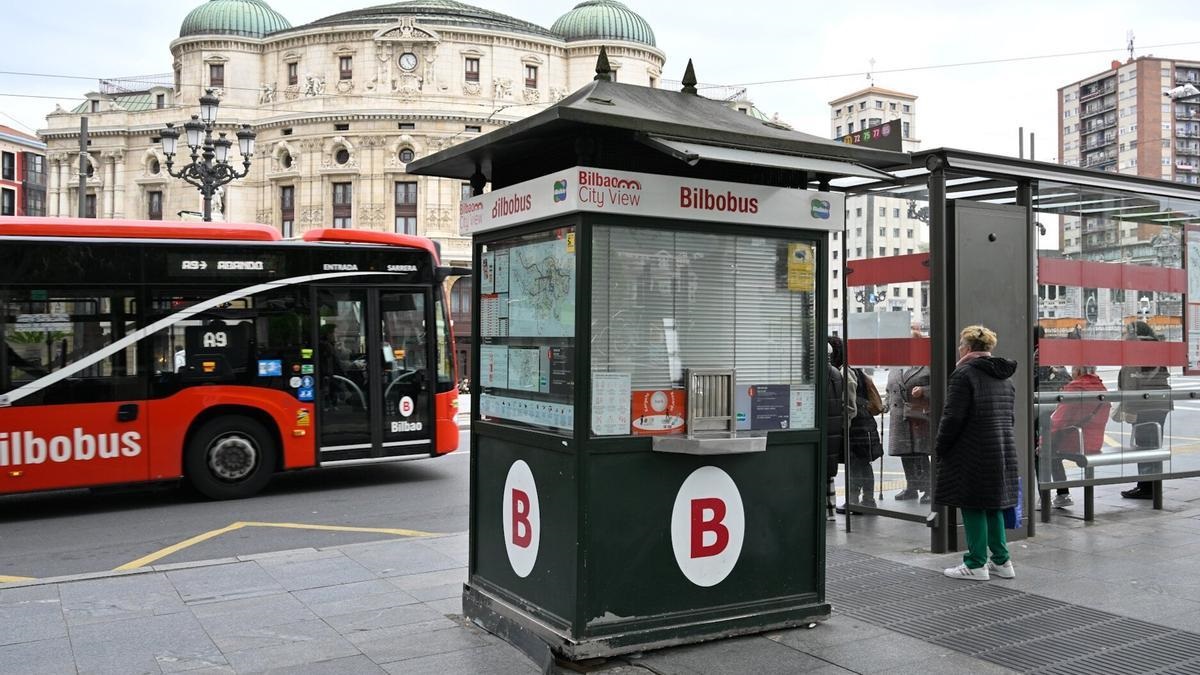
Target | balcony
(1098,108)
(1187,167)
(1187,148)
(1100,160)
(1187,132)
(1183,76)
(1091,91)
(1100,125)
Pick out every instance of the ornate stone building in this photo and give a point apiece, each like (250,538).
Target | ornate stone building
(340,106)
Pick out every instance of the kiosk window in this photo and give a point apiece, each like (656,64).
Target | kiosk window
(527,330)
(668,302)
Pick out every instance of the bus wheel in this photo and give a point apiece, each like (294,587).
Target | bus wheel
(230,457)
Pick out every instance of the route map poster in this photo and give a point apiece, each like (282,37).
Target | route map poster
(541,290)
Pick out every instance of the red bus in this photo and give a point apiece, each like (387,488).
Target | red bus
(221,354)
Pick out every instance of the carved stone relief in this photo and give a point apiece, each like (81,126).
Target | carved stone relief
(312,216)
(292,92)
(372,215)
(502,87)
(531,95)
(314,85)
(472,88)
(265,216)
(267,94)
(557,94)
(345,86)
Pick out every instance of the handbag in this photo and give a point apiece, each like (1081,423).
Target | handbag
(916,412)
(874,401)
(1013,515)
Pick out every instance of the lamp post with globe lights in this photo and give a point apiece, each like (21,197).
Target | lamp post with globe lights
(210,167)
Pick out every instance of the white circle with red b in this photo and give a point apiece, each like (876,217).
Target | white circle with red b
(521,518)
(708,525)
(406,406)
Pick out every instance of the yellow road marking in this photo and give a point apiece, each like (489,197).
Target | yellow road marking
(175,548)
(13,580)
(200,538)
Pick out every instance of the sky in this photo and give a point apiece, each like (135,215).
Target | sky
(793,57)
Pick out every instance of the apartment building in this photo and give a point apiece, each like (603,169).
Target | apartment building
(878,227)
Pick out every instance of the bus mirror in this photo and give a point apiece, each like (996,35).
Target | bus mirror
(444,273)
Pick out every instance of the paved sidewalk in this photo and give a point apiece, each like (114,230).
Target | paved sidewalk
(1119,595)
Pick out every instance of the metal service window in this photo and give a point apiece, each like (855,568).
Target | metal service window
(667,302)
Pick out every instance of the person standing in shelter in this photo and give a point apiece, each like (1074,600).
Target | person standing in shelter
(908,427)
(1076,427)
(1148,416)
(976,452)
(864,441)
(835,411)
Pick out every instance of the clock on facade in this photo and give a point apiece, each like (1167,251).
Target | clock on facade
(408,60)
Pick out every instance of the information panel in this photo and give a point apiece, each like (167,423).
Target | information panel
(527,329)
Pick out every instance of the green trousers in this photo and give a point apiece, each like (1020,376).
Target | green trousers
(985,529)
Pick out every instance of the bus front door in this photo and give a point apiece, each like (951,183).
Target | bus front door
(343,394)
(408,379)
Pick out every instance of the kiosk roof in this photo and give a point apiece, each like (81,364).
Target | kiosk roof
(623,114)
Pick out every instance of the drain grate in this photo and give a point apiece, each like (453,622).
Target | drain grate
(1011,628)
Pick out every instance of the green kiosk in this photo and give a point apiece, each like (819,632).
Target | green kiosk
(647,445)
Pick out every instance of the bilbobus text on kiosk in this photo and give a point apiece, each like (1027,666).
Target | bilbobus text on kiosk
(648,464)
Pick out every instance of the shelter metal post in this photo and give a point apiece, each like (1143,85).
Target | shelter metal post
(1027,435)
(939,333)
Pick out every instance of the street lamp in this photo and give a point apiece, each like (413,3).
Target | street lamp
(209,168)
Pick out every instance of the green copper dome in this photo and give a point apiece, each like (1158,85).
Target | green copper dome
(243,18)
(603,20)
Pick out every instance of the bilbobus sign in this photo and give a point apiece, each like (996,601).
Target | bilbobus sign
(583,189)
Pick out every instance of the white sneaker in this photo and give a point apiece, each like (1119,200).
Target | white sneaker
(1004,571)
(964,572)
(1062,501)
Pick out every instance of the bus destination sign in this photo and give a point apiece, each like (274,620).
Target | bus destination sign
(202,265)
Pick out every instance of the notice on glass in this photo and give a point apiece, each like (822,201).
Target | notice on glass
(524,369)
(658,412)
(490,307)
(770,406)
(487,273)
(803,407)
(501,271)
(610,404)
(493,366)
(801,268)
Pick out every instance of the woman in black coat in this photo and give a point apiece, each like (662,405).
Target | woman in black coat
(977,453)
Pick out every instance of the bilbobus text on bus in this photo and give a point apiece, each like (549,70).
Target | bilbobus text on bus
(149,351)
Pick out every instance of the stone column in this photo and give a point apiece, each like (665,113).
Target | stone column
(118,185)
(64,182)
(51,184)
(110,179)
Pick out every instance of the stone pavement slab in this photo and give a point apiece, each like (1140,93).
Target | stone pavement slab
(395,606)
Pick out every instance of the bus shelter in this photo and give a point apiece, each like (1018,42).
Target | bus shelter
(1089,278)
(647,460)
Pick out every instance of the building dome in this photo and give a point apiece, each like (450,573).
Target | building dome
(438,12)
(243,18)
(603,20)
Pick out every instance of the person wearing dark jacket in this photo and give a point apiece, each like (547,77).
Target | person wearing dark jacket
(834,419)
(1148,416)
(976,452)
